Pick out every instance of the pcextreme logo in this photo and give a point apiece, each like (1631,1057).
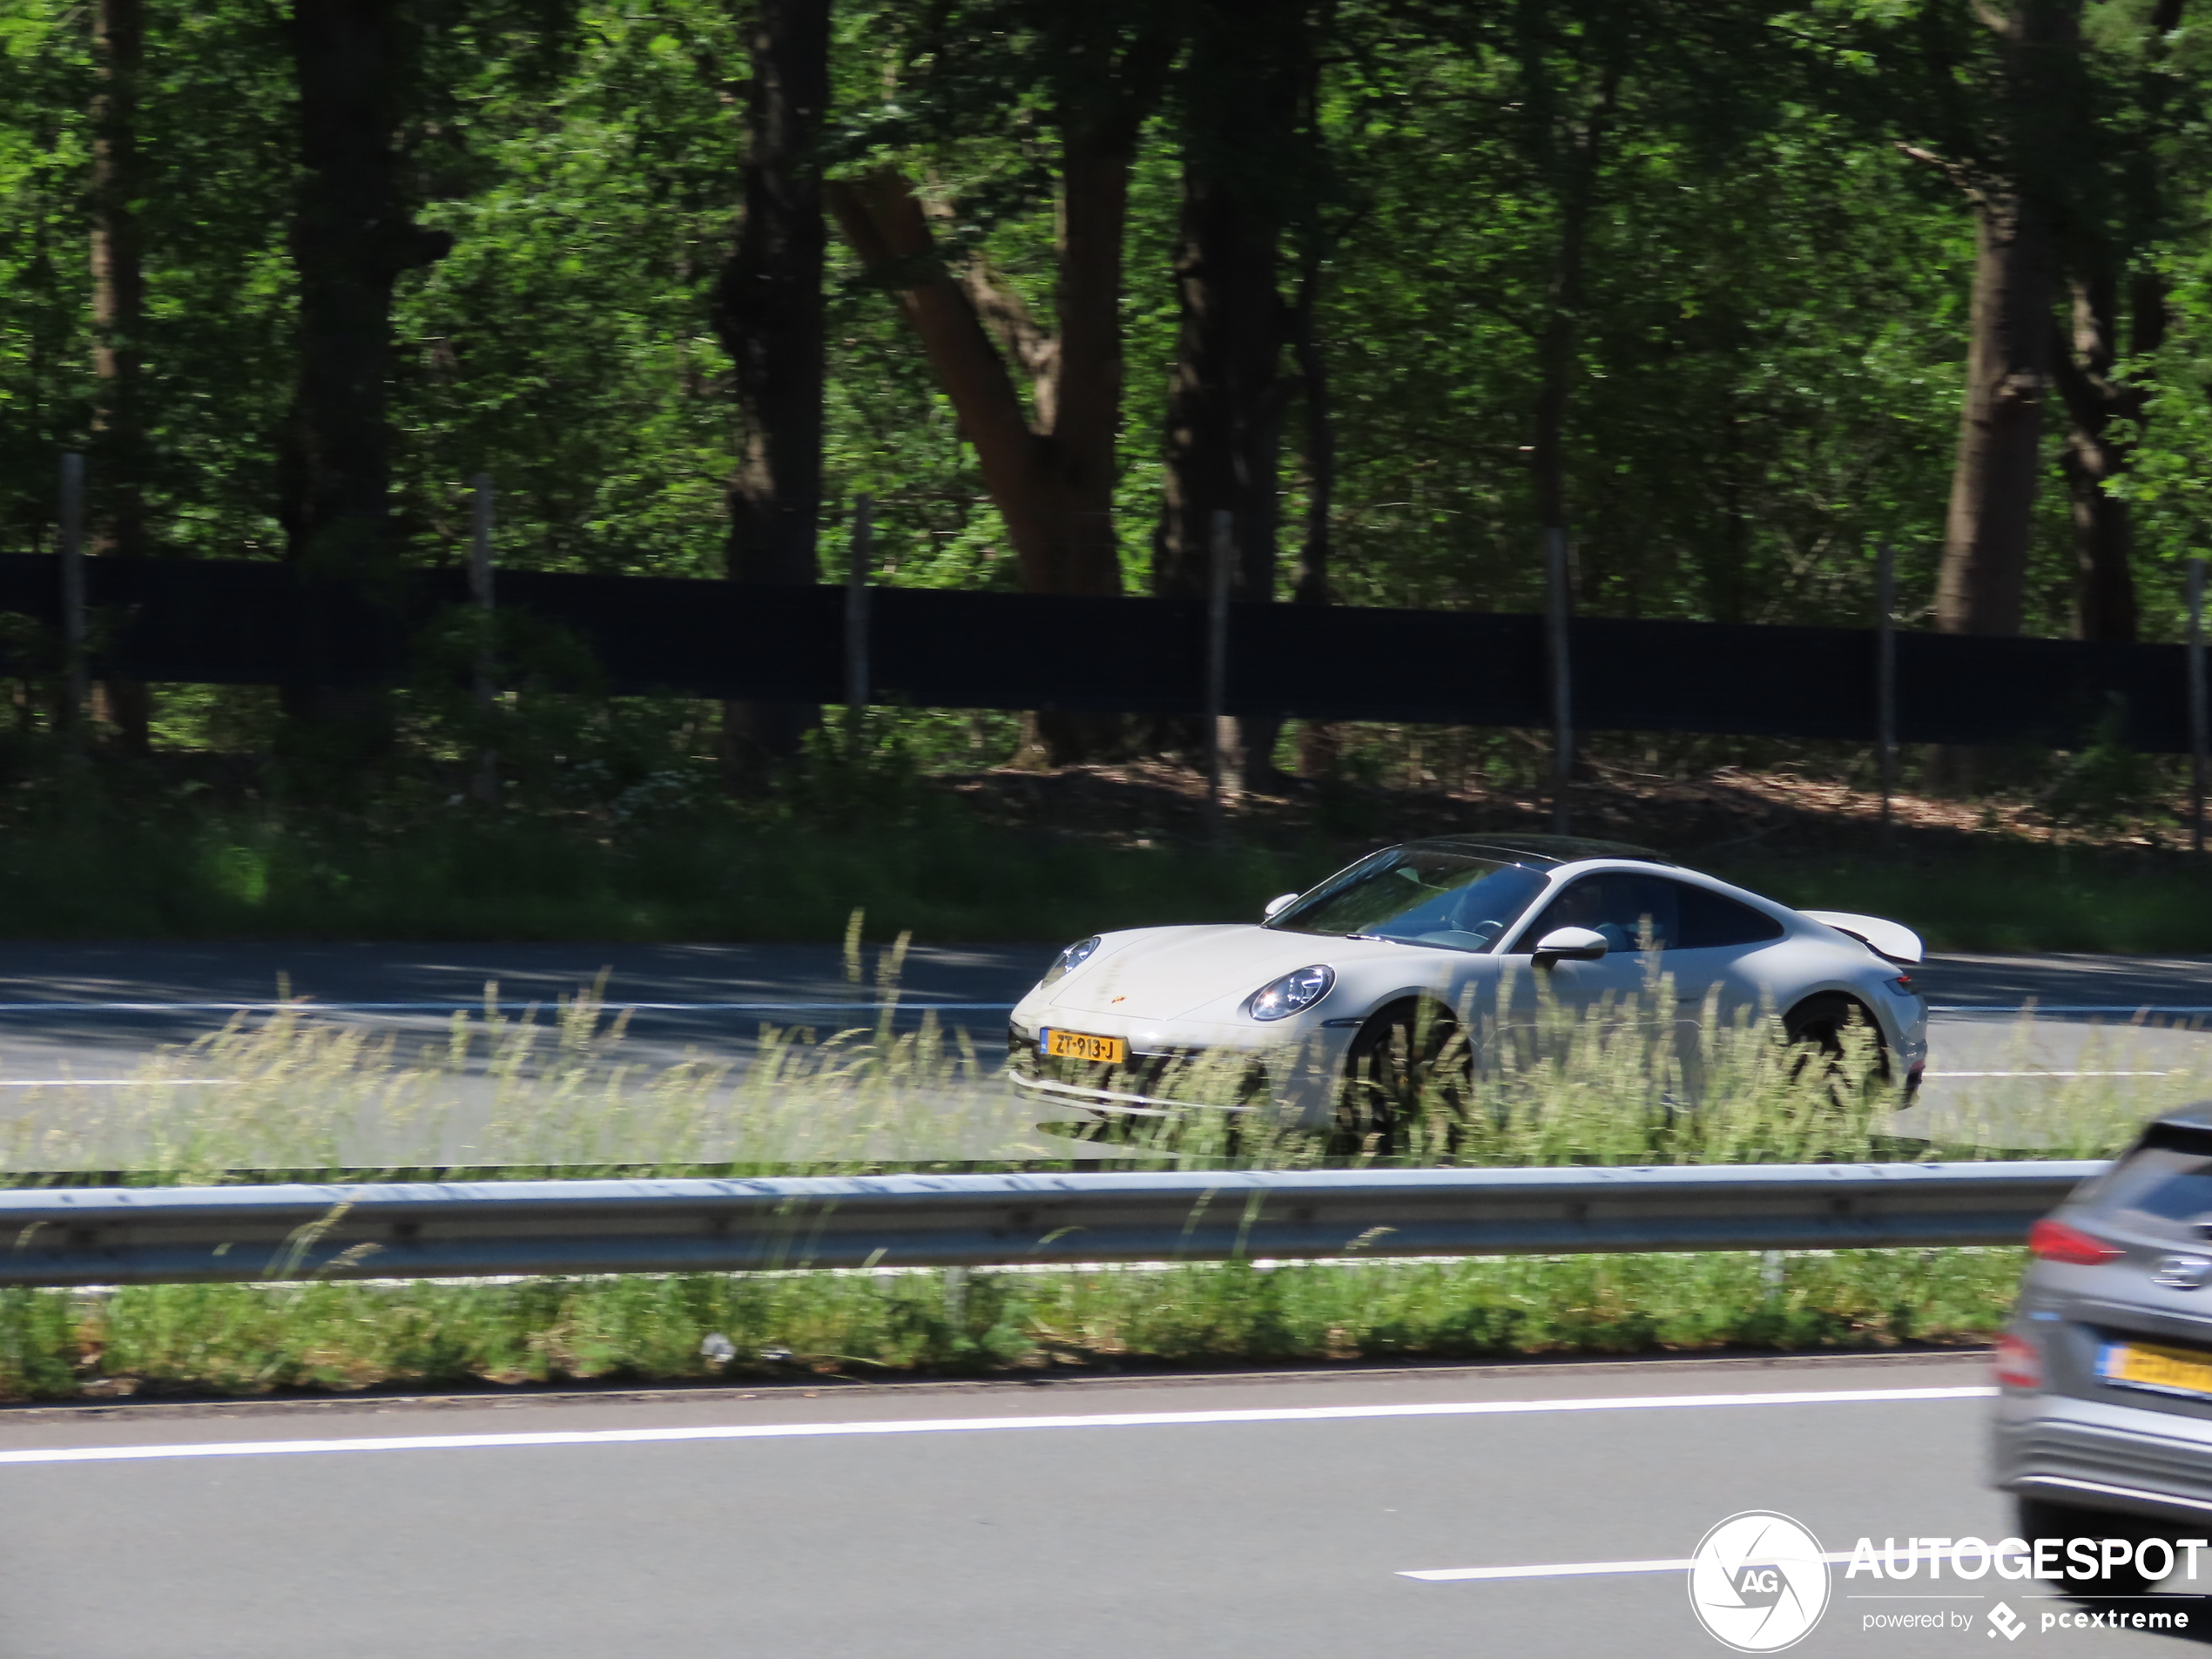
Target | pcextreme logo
(1758,1581)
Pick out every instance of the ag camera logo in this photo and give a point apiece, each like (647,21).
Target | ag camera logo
(1758,1583)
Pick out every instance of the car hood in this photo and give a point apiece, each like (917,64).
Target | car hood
(1169,973)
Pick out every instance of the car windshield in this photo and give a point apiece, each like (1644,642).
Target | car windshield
(1419,896)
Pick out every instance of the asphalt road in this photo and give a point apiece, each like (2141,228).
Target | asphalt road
(1274,1517)
(86,1015)
(91,1008)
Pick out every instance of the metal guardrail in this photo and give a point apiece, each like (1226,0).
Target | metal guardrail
(152,1235)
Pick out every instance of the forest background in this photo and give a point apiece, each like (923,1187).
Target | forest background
(1724,294)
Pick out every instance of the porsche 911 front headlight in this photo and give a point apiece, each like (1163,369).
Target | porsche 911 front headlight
(1071,959)
(1293,993)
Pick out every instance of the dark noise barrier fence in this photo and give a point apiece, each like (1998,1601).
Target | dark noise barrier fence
(252,622)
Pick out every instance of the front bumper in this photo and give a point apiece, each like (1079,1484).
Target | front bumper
(1287,1079)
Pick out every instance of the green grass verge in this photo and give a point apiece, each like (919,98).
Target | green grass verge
(2002,895)
(232,878)
(243,1339)
(728,874)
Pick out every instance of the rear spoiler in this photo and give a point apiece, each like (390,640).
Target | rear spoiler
(1883,938)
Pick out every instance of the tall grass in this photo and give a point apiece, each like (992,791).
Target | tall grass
(503,1092)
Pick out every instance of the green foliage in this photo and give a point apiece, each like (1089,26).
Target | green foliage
(2105,783)
(1771,354)
(239,1340)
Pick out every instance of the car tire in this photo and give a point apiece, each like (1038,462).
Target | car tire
(2041,1517)
(1818,1023)
(1409,1062)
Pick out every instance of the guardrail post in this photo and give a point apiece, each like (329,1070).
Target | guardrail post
(485,785)
(2197,714)
(956,1297)
(860,564)
(1886,677)
(1555,604)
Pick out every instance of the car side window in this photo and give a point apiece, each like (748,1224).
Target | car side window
(1706,921)
(1622,906)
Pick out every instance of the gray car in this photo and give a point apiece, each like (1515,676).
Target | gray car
(2104,1416)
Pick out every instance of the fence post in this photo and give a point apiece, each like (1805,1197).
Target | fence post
(1886,677)
(1561,681)
(860,564)
(1224,552)
(76,688)
(2197,714)
(485,785)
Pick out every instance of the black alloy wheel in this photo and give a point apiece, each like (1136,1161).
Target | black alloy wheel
(1814,1031)
(1410,1060)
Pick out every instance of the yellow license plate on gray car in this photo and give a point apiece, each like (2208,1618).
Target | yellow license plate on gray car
(1081,1045)
(2142,1365)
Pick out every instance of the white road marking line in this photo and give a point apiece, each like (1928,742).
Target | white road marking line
(2078,1007)
(962,1425)
(309,1005)
(2047,1074)
(114,1083)
(1574,1570)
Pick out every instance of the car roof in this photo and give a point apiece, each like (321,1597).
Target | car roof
(2196,1114)
(1553,850)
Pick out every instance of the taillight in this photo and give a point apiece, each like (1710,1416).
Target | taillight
(1903,983)
(2054,1241)
(2018,1365)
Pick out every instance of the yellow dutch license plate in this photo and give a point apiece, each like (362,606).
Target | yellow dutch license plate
(1079,1045)
(2141,1365)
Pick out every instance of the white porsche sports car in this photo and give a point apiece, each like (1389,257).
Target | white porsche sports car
(1365,979)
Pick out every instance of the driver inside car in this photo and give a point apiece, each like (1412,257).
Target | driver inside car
(1622,909)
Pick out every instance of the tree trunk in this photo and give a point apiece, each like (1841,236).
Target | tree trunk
(2105,415)
(1053,483)
(1246,72)
(768,311)
(1982,582)
(118,280)
(1310,586)
(1085,419)
(1050,473)
(120,449)
(1054,488)
(1558,342)
(1224,418)
(1224,396)
(1981,585)
(353,234)
(2102,416)
(1317,740)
